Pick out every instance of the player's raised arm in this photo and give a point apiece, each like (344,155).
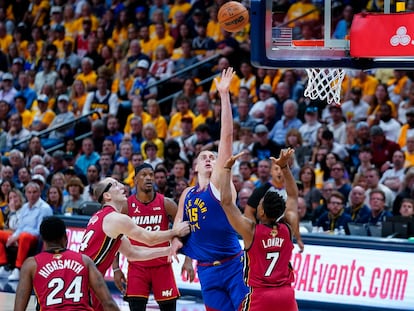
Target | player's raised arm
(243,225)
(291,211)
(226,131)
(115,224)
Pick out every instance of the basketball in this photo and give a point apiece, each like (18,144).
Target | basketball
(233,16)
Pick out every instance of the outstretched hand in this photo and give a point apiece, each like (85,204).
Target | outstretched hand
(285,155)
(224,84)
(182,229)
(230,161)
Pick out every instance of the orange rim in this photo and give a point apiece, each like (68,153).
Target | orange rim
(308,42)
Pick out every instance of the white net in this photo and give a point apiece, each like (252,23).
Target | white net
(325,84)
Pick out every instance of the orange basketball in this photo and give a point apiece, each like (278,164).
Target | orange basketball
(233,16)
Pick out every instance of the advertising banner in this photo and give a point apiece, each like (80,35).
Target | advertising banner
(343,275)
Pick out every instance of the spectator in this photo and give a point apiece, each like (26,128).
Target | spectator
(382,148)
(87,75)
(162,67)
(43,116)
(337,124)
(92,177)
(380,98)
(265,97)
(78,96)
(58,135)
(282,95)
(309,129)
(112,129)
(344,24)
(372,177)
(407,129)
(378,208)
(389,125)
(355,109)
(105,163)
(288,121)
(243,117)
(302,151)
(399,86)
(47,75)
(8,92)
(339,176)
(183,110)
(183,57)
(409,151)
(88,156)
(135,135)
(26,90)
(54,198)
(405,105)
(310,193)
(150,135)
(333,146)
(161,182)
(298,9)
(264,148)
(243,195)
(315,214)
(356,207)
(394,176)
(150,151)
(263,173)
(15,203)
(407,191)
(27,232)
(16,133)
(156,118)
(365,160)
(368,84)
(69,57)
(101,100)
(75,188)
(335,218)
(245,140)
(407,208)
(142,86)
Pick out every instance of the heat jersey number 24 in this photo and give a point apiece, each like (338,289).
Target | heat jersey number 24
(72,292)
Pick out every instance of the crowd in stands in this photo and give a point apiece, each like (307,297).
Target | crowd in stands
(60,60)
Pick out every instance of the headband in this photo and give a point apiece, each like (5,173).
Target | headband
(143,166)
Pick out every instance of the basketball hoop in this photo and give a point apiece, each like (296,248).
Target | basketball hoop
(325,84)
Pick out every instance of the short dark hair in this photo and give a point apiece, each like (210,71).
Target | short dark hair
(273,205)
(327,134)
(52,229)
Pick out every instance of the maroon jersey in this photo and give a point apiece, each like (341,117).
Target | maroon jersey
(61,281)
(267,260)
(96,244)
(150,216)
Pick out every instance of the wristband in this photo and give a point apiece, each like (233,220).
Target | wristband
(116,269)
(227,168)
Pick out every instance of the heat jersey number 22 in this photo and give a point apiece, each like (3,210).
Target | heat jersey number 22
(72,292)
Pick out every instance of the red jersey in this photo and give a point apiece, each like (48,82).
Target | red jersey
(150,216)
(61,281)
(96,244)
(268,258)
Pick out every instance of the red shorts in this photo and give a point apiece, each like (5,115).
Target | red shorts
(159,279)
(270,298)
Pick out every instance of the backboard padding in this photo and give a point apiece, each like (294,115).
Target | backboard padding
(274,52)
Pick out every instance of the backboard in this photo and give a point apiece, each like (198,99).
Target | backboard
(297,41)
